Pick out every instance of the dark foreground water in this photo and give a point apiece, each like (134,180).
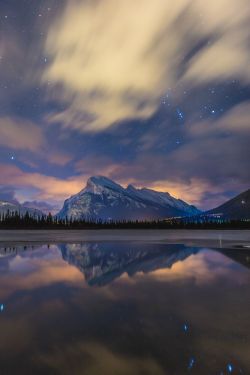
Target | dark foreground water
(124,308)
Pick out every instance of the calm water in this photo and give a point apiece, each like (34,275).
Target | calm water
(124,308)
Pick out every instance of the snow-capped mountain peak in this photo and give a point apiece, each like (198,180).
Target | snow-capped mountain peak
(98,184)
(104,199)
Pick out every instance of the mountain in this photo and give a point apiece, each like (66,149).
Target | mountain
(45,207)
(10,207)
(236,208)
(104,199)
(101,263)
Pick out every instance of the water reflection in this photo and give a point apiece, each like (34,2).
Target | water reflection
(101,264)
(124,308)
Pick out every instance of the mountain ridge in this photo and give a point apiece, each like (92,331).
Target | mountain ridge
(104,199)
(11,207)
(235,208)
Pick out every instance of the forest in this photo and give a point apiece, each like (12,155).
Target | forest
(13,220)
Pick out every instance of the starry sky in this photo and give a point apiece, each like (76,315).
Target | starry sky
(153,93)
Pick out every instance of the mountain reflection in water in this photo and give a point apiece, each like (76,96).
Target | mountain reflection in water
(101,264)
(155,309)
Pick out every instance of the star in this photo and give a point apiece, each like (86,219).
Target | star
(180,114)
(212,90)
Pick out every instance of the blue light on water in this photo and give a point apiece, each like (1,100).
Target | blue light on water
(230,368)
(191,363)
(1,307)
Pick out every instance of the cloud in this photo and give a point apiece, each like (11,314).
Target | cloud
(226,53)
(45,187)
(97,165)
(7,193)
(111,61)
(20,59)
(206,169)
(58,157)
(32,273)
(218,149)
(201,268)
(209,164)
(234,122)
(20,134)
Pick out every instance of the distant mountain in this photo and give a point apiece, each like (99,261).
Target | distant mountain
(45,207)
(17,207)
(104,199)
(102,263)
(236,208)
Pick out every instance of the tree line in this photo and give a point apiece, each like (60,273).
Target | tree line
(13,220)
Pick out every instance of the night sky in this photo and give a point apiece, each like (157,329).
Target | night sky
(150,92)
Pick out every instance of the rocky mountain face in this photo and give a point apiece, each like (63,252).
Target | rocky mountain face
(6,207)
(104,199)
(236,208)
(102,263)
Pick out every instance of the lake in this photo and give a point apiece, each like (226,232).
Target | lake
(124,307)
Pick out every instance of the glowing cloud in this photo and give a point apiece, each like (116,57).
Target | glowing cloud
(111,61)
(46,187)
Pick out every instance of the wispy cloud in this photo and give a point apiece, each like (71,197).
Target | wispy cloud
(111,61)
(20,134)
(7,193)
(209,165)
(44,186)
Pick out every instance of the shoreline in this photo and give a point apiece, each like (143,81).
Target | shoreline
(235,239)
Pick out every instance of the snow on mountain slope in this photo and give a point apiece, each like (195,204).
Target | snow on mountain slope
(162,199)
(104,199)
(6,207)
(100,184)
